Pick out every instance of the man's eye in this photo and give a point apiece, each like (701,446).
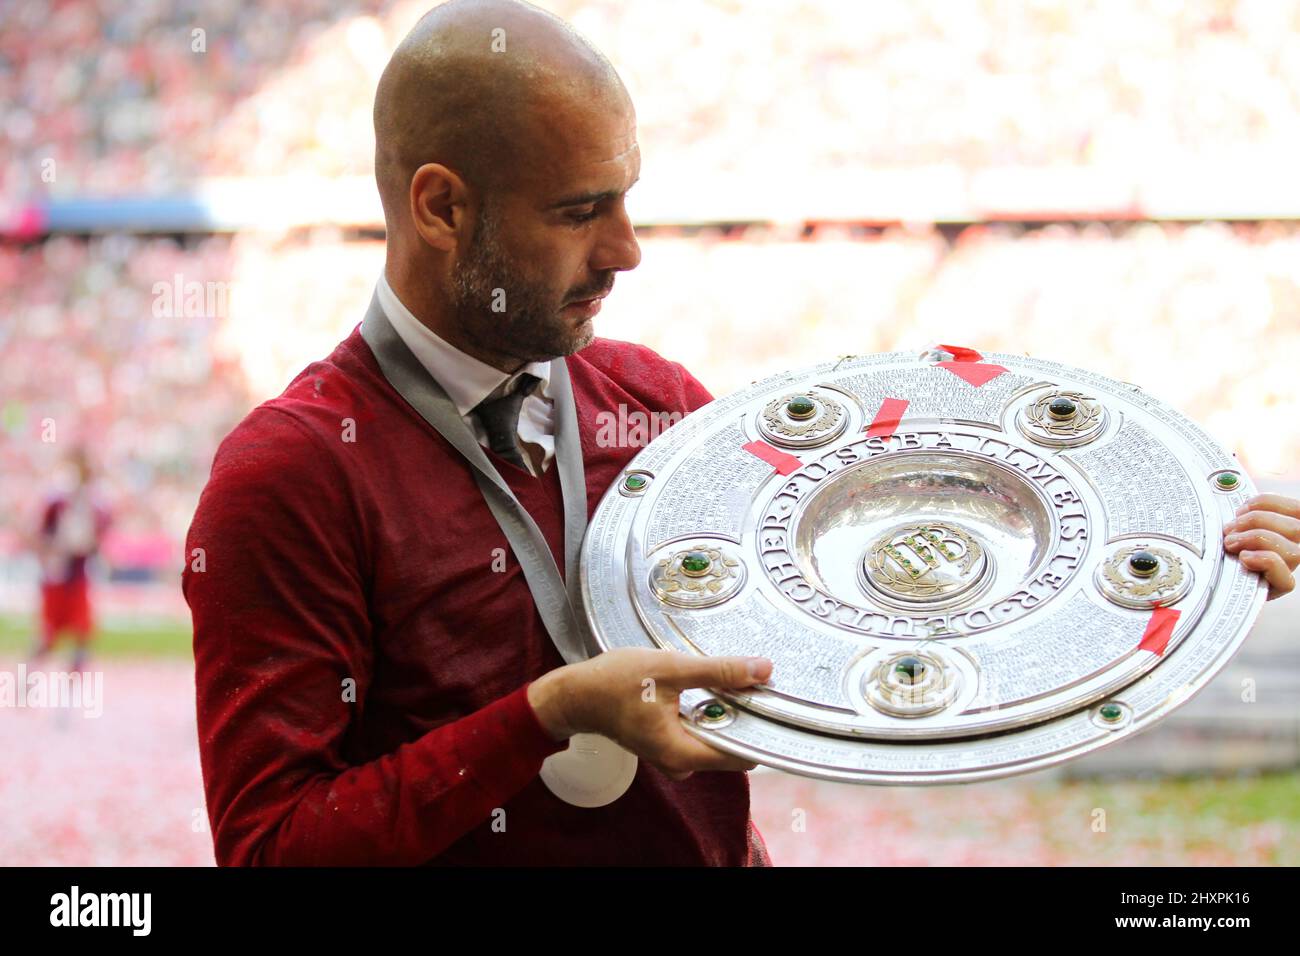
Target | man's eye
(583,216)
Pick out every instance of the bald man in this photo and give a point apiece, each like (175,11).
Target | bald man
(377,680)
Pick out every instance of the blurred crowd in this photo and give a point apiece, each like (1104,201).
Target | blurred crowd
(1205,316)
(134,96)
(126,97)
(93,356)
(96,340)
(101,344)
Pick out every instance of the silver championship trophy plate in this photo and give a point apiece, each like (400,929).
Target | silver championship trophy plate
(961,566)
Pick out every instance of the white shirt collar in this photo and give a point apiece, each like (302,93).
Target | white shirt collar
(466,380)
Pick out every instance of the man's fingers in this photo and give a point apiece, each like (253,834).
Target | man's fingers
(1260,540)
(686,752)
(1276,573)
(718,671)
(1271,502)
(1287,527)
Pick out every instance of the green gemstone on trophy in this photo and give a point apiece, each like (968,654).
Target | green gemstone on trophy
(715,711)
(695,562)
(910,669)
(634,482)
(801,406)
(1143,563)
(1111,712)
(1062,407)
(1227,480)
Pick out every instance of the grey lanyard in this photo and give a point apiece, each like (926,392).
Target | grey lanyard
(414,383)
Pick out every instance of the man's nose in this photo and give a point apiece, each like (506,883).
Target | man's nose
(618,249)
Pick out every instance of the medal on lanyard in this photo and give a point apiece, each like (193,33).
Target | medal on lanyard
(594,770)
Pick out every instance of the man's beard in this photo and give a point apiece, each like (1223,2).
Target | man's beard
(497,303)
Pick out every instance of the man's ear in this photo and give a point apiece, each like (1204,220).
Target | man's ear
(439,201)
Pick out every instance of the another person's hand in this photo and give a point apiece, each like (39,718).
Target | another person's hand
(1265,536)
(630,695)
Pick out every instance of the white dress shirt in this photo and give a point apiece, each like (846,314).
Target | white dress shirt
(467,381)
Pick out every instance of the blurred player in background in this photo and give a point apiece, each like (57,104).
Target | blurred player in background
(71,528)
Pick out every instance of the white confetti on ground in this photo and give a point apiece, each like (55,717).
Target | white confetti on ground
(121,789)
(1028,821)
(125,789)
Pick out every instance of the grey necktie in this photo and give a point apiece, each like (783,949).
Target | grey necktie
(500,418)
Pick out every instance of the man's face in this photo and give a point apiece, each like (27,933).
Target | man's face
(541,253)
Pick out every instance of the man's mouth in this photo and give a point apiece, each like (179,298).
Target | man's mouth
(586,308)
(587,300)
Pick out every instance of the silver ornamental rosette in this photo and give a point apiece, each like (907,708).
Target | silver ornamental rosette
(960,570)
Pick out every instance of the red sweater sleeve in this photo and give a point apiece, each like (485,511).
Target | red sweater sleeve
(696,394)
(278,598)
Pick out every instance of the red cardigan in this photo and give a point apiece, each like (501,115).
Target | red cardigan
(361,669)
